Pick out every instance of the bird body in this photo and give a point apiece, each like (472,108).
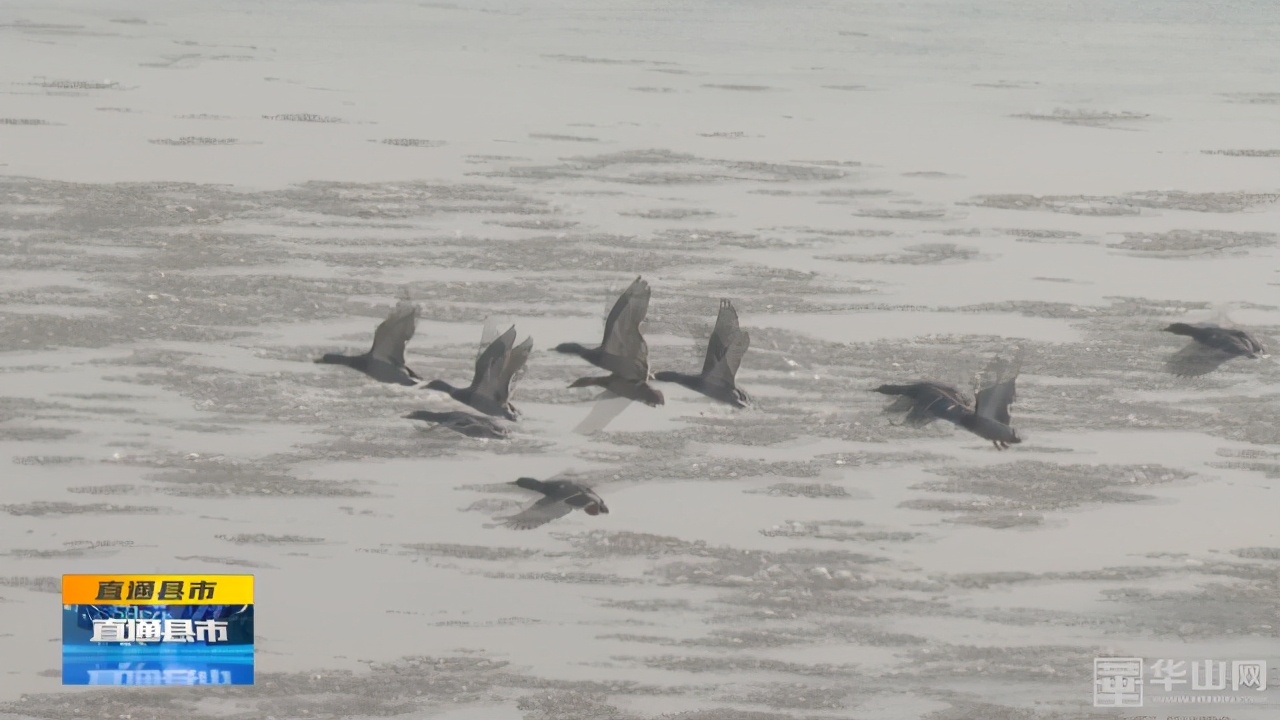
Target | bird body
(999,433)
(475,426)
(630,389)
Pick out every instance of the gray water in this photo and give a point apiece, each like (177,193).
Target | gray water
(196,202)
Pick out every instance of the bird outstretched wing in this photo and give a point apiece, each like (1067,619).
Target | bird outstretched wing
(993,400)
(626,353)
(392,334)
(540,513)
(726,347)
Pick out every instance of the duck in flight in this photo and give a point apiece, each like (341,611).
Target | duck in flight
(476,426)
(560,497)
(1211,345)
(987,416)
(490,387)
(385,360)
(725,349)
(623,351)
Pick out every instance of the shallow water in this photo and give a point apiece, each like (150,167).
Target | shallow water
(886,191)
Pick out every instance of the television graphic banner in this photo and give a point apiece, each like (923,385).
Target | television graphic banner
(157,629)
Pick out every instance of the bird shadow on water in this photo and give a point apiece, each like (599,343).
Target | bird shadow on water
(606,408)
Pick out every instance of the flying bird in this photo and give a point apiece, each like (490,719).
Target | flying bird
(725,349)
(623,351)
(1211,345)
(561,498)
(385,360)
(490,387)
(476,426)
(987,416)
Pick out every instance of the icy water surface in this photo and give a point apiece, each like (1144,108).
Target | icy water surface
(197,202)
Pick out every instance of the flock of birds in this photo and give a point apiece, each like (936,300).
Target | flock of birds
(624,353)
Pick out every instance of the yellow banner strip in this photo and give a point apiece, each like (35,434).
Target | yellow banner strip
(209,589)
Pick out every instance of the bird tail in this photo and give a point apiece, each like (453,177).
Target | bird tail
(1181,329)
(529,483)
(895,389)
(589,381)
